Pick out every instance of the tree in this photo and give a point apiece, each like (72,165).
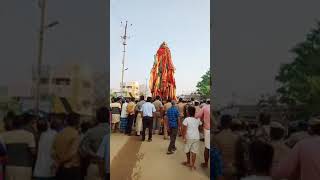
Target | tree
(300,79)
(204,86)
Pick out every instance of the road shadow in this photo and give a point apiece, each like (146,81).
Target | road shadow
(126,159)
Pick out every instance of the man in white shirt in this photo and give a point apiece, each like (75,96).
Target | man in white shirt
(124,116)
(44,161)
(148,109)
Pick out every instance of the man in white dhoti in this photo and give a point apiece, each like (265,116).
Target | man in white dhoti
(139,117)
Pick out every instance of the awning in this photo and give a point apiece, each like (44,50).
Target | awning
(60,105)
(66,105)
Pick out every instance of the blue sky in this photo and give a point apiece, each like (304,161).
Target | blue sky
(183,24)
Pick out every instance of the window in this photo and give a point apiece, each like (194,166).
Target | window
(44,81)
(62,81)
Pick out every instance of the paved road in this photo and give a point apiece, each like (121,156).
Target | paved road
(132,159)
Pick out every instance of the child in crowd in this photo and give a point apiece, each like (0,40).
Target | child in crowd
(191,137)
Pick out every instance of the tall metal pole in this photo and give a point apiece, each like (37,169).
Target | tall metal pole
(124,43)
(43,6)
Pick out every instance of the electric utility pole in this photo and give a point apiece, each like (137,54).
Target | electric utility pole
(43,7)
(124,43)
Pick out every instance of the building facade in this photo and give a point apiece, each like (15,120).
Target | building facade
(131,89)
(72,82)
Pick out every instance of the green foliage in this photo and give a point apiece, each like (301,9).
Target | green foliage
(204,86)
(300,80)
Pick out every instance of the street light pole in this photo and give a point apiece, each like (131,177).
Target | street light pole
(124,43)
(122,71)
(43,6)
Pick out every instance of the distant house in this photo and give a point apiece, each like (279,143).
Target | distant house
(248,111)
(243,112)
(251,112)
(131,89)
(189,96)
(72,83)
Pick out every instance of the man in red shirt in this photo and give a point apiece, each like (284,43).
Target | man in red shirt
(204,115)
(303,161)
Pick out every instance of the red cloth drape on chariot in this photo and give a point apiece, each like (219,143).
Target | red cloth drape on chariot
(162,82)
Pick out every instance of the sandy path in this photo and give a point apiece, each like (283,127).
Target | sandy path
(136,160)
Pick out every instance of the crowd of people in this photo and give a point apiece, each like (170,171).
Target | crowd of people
(168,118)
(265,150)
(57,146)
(61,146)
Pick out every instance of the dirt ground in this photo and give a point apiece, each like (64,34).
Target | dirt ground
(132,159)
